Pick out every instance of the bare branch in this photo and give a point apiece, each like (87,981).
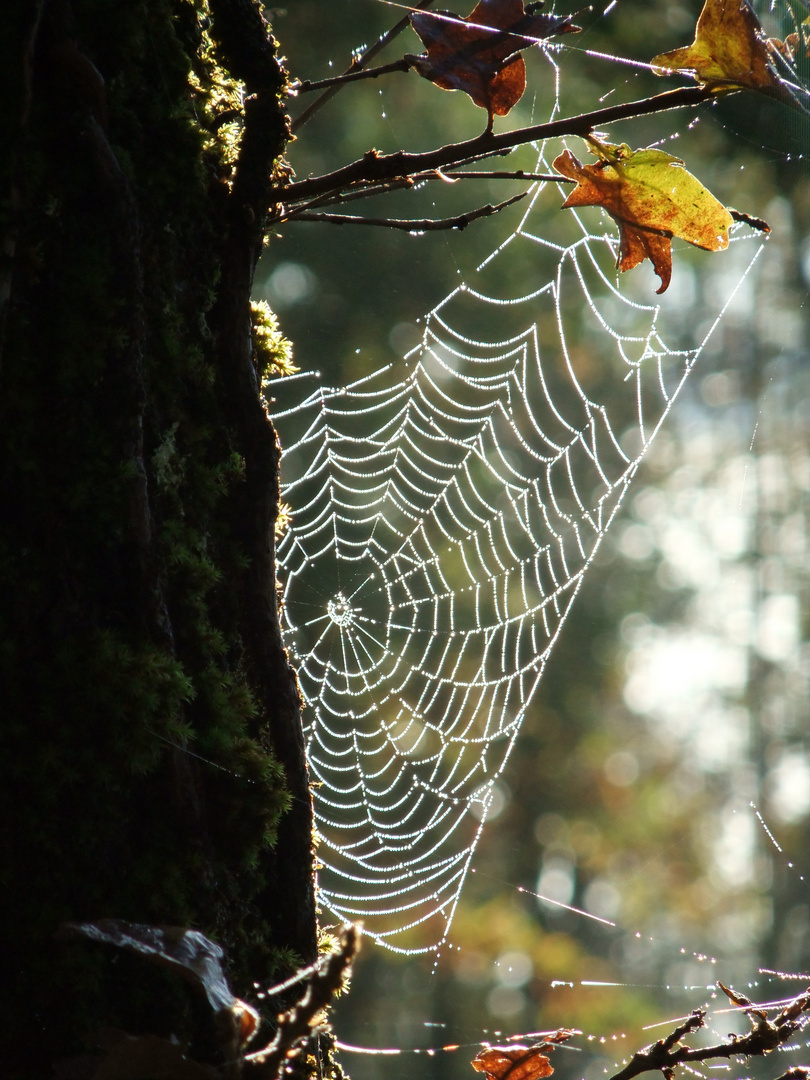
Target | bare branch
(766,1035)
(356,64)
(306,87)
(296,1027)
(374,167)
(410,224)
(516,174)
(798,1072)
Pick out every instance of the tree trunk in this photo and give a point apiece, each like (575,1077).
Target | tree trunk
(150,737)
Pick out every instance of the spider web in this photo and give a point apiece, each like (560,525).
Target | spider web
(445,511)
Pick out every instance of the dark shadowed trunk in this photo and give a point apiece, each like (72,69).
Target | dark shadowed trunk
(150,738)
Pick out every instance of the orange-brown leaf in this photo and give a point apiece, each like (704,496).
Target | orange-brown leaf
(652,198)
(481,54)
(636,245)
(730,51)
(513,1063)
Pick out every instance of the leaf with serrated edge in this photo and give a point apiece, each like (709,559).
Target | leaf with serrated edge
(480,54)
(652,198)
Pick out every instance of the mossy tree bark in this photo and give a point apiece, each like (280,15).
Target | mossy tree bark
(150,738)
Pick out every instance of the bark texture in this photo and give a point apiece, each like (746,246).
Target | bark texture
(150,739)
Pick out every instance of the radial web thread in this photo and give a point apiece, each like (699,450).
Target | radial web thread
(445,510)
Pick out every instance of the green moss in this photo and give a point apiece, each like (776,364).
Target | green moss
(272,351)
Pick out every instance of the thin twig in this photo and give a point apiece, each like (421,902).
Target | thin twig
(296,1027)
(411,224)
(376,168)
(517,174)
(356,64)
(753,222)
(364,191)
(307,86)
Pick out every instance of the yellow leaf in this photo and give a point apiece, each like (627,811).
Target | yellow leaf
(652,198)
(729,51)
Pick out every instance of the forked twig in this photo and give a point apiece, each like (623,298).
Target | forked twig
(296,1027)
(766,1035)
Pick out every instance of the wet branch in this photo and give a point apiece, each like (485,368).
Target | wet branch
(297,1026)
(765,1035)
(374,168)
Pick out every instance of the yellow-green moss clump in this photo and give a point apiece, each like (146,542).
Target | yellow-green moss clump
(272,351)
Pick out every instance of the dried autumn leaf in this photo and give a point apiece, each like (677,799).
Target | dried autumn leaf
(730,51)
(521,1062)
(481,54)
(513,1063)
(652,198)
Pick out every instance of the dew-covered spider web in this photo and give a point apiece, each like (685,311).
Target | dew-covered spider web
(445,511)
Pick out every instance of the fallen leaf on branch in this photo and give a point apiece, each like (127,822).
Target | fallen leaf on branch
(652,198)
(513,1063)
(520,1062)
(730,51)
(481,54)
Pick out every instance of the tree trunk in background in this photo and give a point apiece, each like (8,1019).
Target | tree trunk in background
(150,732)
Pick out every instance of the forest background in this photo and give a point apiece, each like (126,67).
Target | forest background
(675,701)
(145,680)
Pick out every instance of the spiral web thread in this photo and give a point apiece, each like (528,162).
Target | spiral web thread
(445,510)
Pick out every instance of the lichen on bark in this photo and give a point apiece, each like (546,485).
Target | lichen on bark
(151,740)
